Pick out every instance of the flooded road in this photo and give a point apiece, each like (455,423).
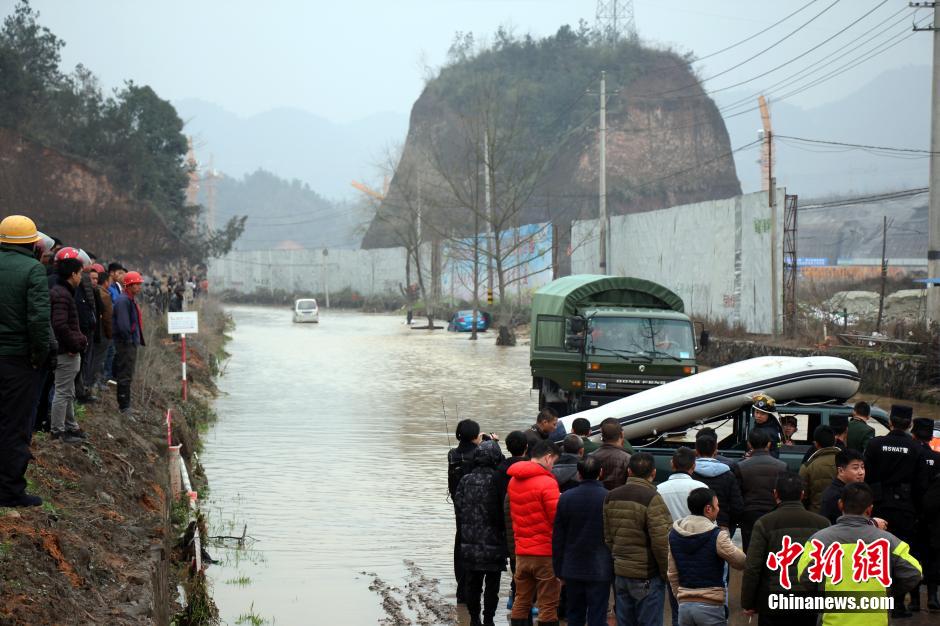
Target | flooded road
(331,447)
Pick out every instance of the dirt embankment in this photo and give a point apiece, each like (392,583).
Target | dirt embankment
(100,548)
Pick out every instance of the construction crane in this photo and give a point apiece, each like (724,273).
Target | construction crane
(372,193)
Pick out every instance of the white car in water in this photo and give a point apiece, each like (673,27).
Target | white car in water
(306,310)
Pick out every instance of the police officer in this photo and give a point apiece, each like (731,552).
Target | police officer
(896,470)
(927,548)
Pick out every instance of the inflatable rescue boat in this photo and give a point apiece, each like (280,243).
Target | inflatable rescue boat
(724,389)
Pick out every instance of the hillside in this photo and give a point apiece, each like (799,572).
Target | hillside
(667,143)
(875,114)
(282,213)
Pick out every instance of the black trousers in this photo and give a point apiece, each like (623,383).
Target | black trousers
(459,573)
(125,360)
(485,584)
(17,399)
(45,380)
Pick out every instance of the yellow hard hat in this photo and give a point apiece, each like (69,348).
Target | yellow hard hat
(18,229)
(763,402)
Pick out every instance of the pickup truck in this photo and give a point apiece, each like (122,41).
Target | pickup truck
(733,429)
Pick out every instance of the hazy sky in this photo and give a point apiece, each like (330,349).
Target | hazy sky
(345,60)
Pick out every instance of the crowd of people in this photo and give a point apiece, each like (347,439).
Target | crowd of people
(577,521)
(69,328)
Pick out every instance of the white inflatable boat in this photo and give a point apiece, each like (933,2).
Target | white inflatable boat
(724,389)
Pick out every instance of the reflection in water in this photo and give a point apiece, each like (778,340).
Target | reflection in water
(331,446)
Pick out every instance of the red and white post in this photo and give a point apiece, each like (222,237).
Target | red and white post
(183,354)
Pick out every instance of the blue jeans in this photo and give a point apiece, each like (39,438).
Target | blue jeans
(701,614)
(587,602)
(639,601)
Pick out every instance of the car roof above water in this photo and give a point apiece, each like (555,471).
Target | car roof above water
(300,301)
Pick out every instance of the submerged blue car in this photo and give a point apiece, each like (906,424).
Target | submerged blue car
(462,321)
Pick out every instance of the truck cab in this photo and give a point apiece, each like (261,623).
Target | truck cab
(596,339)
(733,429)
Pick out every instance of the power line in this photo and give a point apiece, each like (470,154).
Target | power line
(882,197)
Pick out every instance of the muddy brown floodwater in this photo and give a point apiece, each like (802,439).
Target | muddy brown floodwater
(331,447)
(331,450)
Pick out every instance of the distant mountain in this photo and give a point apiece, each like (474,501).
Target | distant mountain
(282,214)
(891,109)
(293,144)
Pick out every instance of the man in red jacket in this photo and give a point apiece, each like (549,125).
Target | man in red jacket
(533,498)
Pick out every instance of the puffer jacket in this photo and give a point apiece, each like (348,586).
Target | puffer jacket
(698,551)
(24,305)
(85,301)
(65,319)
(636,529)
(817,475)
(480,512)
(614,460)
(789,519)
(720,479)
(533,499)
(758,478)
(906,572)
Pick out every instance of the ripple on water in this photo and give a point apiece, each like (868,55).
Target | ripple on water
(331,446)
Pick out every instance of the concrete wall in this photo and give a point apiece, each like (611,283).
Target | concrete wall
(369,272)
(894,375)
(715,255)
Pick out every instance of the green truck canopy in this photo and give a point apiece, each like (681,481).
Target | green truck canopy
(564,296)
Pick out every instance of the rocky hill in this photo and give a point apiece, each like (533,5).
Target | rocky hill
(74,201)
(667,143)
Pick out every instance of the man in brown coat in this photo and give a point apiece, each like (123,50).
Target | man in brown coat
(101,351)
(614,459)
(817,473)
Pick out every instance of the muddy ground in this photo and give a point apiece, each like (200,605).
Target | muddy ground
(97,551)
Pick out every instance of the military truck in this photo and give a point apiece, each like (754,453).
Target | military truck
(596,339)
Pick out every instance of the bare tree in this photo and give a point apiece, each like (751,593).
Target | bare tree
(487,154)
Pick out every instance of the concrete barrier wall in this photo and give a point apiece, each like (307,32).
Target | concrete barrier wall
(894,375)
(369,272)
(715,255)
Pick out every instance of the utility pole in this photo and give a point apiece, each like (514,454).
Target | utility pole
(933,216)
(884,271)
(487,198)
(602,192)
(771,183)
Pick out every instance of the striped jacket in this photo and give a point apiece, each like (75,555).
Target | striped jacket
(904,569)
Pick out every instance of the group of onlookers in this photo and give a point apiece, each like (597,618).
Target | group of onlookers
(576,520)
(68,326)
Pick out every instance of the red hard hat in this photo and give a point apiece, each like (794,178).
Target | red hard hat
(66,253)
(133,278)
(97,267)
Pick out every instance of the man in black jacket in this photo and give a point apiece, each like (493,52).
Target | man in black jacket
(850,468)
(896,471)
(580,557)
(24,340)
(789,520)
(929,556)
(459,464)
(482,532)
(757,476)
(719,479)
(566,467)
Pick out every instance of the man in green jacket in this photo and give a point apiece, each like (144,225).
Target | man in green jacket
(24,342)
(636,529)
(859,430)
(789,520)
(817,473)
(872,560)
